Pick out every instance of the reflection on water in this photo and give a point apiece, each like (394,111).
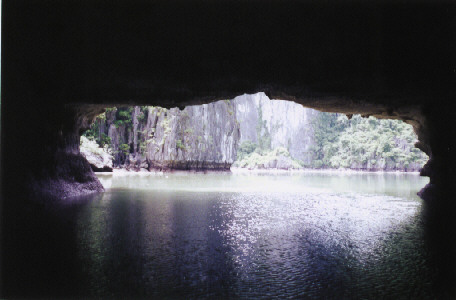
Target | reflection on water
(250,236)
(239,236)
(394,184)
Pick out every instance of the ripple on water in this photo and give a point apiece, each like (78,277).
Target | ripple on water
(253,245)
(314,243)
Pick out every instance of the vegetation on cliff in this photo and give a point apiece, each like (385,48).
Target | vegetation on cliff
(263,133)
(120,129)
(148,137)
(251,156)
(262,155)
(364,143)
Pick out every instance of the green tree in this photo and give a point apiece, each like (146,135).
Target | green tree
(364,143)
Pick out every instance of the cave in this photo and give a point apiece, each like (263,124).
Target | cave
(385,60)
(65,61)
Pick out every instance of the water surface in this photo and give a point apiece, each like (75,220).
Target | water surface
(193,236)
(253,236)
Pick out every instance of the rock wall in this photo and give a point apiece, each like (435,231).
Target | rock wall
(206,137)
(99,159)
(287,124)
(203,137)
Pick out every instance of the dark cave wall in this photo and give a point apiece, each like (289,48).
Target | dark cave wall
(438,137)
(41,156)
(65,60)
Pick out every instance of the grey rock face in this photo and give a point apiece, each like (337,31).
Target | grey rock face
(206,137)
(130,136)
(203,137)
(99,163)
(198,137)
(287,123)
(99,160)
(281,163)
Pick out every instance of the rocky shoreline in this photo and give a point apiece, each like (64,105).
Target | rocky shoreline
(100,161)
(235,170)
(322,171)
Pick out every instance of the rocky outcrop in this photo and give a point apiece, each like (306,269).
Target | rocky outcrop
(99,159)
(206,137)
(282,123)
(51,165)
(278,158)
(387,165)
(203,137)
(305,133)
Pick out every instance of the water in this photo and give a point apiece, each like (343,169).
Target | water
(256,236)
(246,236)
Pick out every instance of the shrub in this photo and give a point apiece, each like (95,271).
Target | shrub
(180,145)
(124,114)
(245,149)
(124,148)
(340,142)
(118,123)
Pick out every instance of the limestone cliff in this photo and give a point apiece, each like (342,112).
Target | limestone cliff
(255,132)
(308,138)
(276,123)
(203,137)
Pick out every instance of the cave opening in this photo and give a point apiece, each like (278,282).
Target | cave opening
(64,62)
(241,225)
(250,132)
(216,234)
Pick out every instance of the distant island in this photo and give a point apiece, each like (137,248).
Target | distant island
(250,132)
